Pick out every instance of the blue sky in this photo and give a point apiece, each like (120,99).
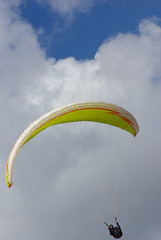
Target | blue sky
(81,35)
(57,52)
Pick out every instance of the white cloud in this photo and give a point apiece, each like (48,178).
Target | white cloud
(65,8)
(53,199)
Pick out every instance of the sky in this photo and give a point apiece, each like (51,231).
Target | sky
(70,178)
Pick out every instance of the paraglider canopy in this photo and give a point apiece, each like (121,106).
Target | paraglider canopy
(85,111)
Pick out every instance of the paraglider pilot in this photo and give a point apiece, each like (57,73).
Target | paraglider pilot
(116,232)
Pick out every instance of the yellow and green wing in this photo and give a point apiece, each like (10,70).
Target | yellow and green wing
(86,111)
